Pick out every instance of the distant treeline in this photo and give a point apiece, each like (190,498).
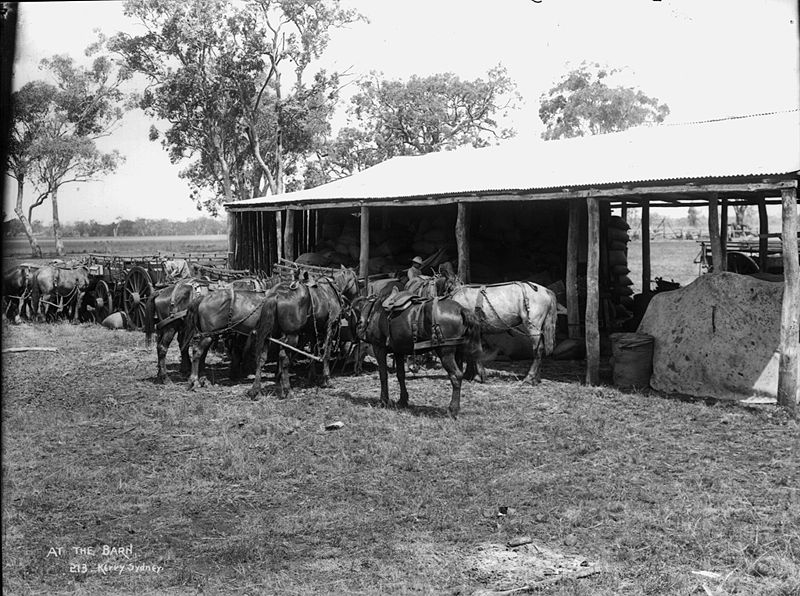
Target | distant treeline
(201,226)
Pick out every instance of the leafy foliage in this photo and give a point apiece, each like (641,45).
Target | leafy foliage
(583,103)
(214,70)
(418,116)
(55,127)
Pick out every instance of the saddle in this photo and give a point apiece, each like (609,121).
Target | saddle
(400,300)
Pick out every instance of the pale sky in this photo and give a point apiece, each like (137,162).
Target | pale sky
(705,59)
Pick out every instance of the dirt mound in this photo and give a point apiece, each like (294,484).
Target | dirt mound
(717,337)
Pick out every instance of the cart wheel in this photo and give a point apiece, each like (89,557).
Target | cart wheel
(104,303)
(136,289)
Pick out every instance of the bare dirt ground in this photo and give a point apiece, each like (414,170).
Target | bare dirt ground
(113,484)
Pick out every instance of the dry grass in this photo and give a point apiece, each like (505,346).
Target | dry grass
(233,496)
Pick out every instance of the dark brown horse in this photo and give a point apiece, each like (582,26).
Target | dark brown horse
(415,325)
(221,312)
(17,291)
(311,310)
(59,288)
(164,314)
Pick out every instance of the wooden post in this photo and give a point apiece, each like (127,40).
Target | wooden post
(231,240)
(573,307)
(278,235)
(646,263)
(790,310)
(593,294)
(763,234)
(623,210)
(723,233)
(462,241)
(713,233)
(288,236)
(363,259)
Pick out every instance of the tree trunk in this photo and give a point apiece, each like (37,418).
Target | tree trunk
(36,250)
(279,182)
(57,224)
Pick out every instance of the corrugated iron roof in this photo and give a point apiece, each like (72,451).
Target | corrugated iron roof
(758,145)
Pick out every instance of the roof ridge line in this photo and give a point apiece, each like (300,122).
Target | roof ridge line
(740,117)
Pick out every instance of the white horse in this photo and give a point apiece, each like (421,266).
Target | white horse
(521,307)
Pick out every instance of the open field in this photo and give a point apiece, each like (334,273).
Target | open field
(19,248)
(210,492)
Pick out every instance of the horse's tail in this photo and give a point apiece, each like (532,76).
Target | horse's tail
(149,319)
(191,322)
(473,336)
(549,326)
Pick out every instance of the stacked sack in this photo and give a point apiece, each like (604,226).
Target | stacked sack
(621,283)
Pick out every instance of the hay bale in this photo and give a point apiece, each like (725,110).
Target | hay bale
(717,337)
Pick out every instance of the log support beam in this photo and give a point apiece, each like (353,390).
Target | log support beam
(713,234)
(363,259)
(790,310)
(646,261)
(573,308)
(462,241)
(763,234)
(593,294)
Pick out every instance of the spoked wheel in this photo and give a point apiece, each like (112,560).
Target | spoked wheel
(136,289)
(104,303)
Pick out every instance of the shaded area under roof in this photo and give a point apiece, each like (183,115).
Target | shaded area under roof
(749,146)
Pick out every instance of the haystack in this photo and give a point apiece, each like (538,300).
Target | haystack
(717,337)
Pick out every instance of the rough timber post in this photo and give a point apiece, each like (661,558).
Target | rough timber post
(231,240)
(763,234)
(573,308)
(713,233)
(593,294)
(363,258)
(462,241)
(646,264)
(723,233)
(288,236)
(790,310)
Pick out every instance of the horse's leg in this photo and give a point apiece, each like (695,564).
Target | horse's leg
(534,376)
(383,372)
(162,345)
(447,356)
(283,367)
(186,361)
(77,306)
(400,364)
(326,353)
(261,359)
(199,350)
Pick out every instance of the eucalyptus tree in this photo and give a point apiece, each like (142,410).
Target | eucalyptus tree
(55,128)
(215,72)
(420,115)
(582,103)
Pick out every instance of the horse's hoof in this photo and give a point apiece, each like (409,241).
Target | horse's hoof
(531,381)
(453,415)
(253,394)
(163,380)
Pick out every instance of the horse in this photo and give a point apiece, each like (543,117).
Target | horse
(404,325)
(67,285)
(224,311)
(292,309)
(164,313)
(427,286)
(16,291)
(504,307)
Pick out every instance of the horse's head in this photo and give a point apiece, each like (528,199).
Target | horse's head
(346,281)
(449,282)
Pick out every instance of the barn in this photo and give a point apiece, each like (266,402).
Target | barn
(552,212)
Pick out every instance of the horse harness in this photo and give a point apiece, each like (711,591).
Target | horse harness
(401,301)
(56,280)
(482,295)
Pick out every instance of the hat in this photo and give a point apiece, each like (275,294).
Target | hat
(417,260)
